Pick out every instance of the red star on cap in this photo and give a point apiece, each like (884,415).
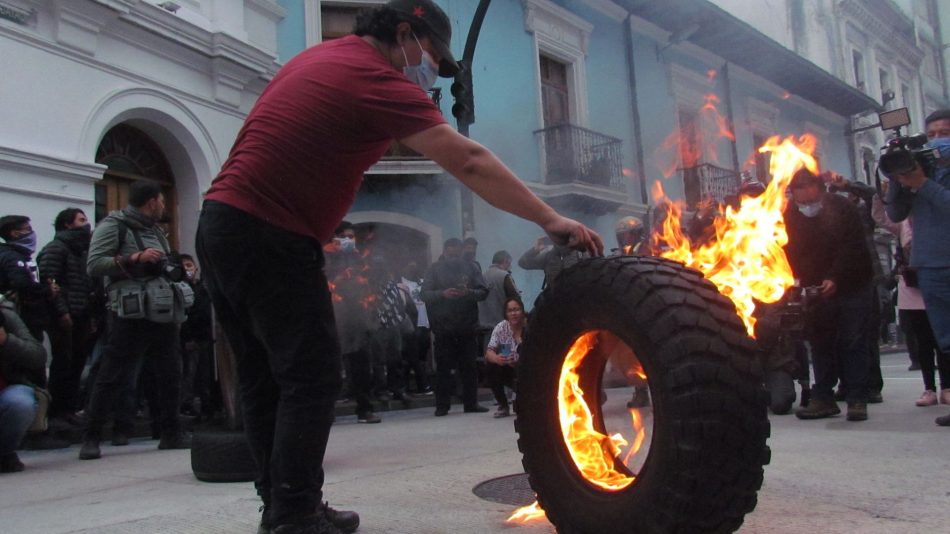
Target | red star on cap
(418,12)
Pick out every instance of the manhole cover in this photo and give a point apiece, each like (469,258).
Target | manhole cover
(511,489)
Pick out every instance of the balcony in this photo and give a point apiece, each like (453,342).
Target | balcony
(707,181)
(583,169)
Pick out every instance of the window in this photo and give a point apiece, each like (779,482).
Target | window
(326,19)
(337,21)
(857,63)
(555,94)
(561,39)
(762,160)
(887,92)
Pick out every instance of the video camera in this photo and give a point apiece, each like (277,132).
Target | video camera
(903,153)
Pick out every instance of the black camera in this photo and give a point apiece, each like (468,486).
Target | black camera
(904,152)
(168,267)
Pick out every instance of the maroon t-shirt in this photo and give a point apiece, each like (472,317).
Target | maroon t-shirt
(328,115)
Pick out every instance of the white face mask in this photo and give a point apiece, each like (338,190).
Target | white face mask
(347,244)
(810,210)
(425,73)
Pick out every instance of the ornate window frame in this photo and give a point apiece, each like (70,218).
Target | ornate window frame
(564,36)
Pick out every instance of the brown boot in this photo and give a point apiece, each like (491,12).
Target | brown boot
(818,409)
(857,411)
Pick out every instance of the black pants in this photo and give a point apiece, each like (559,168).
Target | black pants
(130,342)
(360,379)
(70,348)
(415,354)
(455,350)
(272,300)
(500,376)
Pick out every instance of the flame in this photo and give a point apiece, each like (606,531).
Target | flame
(594,454)
(695,141)
(745,259)
(525,514)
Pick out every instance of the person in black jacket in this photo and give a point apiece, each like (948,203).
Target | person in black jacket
(827,249)
(72,334)
(197,347)
(451,290)
(20,276)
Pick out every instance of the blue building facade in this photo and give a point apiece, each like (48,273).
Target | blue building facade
(590,102)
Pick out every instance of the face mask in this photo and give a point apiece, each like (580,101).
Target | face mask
(190,274)
(425,73)
(810,210)
(347,244)
(943,145)
(27,241)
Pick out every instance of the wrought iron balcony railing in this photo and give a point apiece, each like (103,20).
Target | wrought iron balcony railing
(574,154)
(708,181)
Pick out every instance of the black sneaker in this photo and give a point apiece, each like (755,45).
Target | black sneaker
(10,463)
(90,450)
(315,524)
(180,440)
(478,408)
(875,398)
(368,418)
(441,411)
(943,420)
(45,441)
(119,439)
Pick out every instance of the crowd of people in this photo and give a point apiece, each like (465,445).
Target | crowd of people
(128,325)
(297,311)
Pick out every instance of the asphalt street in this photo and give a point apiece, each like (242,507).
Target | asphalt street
(414,474)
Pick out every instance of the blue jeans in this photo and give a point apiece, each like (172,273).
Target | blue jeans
(17,409)
(838,338)
(935,286)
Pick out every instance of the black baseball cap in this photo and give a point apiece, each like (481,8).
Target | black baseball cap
(804,178)
(438,28)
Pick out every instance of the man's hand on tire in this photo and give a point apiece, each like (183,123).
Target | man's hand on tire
(564,231)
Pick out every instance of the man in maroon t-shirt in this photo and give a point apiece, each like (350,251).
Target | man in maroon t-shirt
(329,114)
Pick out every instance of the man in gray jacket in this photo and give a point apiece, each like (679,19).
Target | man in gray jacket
(130,251)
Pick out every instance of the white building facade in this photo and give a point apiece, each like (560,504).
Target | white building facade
(97,94)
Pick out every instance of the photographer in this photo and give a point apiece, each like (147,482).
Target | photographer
(924,195)
(146,301)
(827,248)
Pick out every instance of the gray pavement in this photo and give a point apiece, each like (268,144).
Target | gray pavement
(414,474)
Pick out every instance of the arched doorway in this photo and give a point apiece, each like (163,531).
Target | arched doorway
(131,155)
(394,244)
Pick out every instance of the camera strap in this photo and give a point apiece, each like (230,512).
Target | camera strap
(124,228)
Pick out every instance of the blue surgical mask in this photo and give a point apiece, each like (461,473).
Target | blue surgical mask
(943,145)
(27,241)
(347,244)
(425,73)
(810,210)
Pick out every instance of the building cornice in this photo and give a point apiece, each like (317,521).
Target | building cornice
(879,21)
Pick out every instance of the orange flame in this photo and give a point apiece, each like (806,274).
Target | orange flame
(594,454)
(695,141)
(526,514)
(745,260)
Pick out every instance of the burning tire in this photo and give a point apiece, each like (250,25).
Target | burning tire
(700,467)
